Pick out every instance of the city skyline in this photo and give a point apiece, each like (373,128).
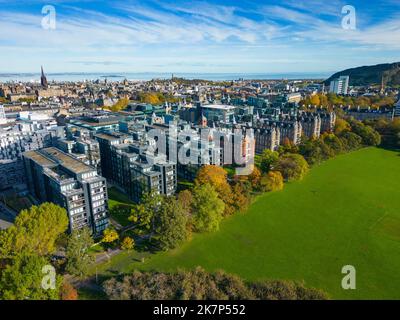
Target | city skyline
(196,37)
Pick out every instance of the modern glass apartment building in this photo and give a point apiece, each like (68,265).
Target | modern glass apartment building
(55,176)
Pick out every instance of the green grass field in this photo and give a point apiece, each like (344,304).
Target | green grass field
(117,198)
(346,211)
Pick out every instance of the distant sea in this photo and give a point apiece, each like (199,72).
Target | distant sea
(75,76)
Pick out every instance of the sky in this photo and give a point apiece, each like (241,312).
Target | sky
(214,36)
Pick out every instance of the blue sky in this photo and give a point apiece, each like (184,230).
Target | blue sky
(262,36)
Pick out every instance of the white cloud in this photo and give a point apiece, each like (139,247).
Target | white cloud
(193,34)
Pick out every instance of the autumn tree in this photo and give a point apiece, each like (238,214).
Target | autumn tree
(341,126)
(217,177)
(127,243)
(254,178)
(272,181)
(110,235)
(369,136)
(68,292)
(241,196)
(207,208)
(79,258)
(333,142)
(314,100)
(292,166)
(35,231)
(120,105)
(185,198)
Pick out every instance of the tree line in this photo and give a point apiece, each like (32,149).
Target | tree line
(332,99)
(201,285)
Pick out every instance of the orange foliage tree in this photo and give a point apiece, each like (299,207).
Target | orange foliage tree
(68,292)
(217,178)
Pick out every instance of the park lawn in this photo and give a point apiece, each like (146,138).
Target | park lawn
(345,212)
(117,198)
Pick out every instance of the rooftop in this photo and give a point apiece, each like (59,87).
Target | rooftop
(50,157)
(66,160)
(111,136)
(218,106)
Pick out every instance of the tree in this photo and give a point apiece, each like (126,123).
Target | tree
(185,198)
(287,147)
(286,290)
(241,196)
(314,151)
(341,126)
(333,142)
(35,231)
(79,258)
(351,141)
(254,178)
(120,105)
(110,235)
(272,181)
(268,159)
(389,131)
(68,292)
(23,279)
(128,243)
(217,177)
(214,175)
(207,208)
(172,221)
(292,166)
(198,284)
(369,136)
(314,100)
(145,213)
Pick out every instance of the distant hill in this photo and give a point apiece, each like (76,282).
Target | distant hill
(370,75)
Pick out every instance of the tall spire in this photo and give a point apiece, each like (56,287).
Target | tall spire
(43,79)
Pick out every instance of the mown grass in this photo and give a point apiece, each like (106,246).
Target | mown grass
(345,212)
(118,199)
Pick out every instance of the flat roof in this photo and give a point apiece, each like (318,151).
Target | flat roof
(50,157)
(66,160)
(111,136)
(39,158)
(218,106)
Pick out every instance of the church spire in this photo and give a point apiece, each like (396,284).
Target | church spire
(43,79)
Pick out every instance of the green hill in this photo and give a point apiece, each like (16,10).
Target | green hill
(371,75)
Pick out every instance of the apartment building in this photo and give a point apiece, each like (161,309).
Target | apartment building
(55,176)
(130,166)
